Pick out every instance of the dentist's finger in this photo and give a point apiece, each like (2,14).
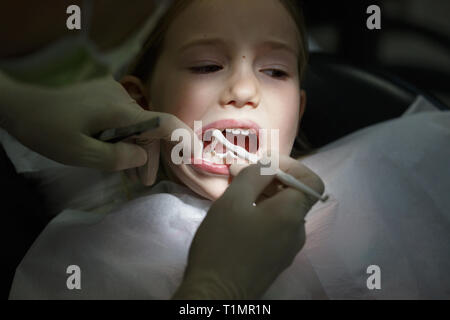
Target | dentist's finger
(293,198)
(168,124)
(109,156)
(148,172)
(298,171)
(236,168)
(249,183)
(302,173)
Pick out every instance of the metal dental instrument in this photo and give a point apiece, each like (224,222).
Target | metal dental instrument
(290,181)
(118,134)
(284,177)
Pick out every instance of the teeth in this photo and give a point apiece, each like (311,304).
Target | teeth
(241,152)
(233,151)
(244,132)
(225,155)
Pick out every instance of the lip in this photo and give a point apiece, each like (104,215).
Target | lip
(214,168)
(221,169)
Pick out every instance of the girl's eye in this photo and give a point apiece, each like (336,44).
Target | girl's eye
(206,69)
(276,73)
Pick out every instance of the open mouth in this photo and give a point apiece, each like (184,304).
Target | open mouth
(240,135)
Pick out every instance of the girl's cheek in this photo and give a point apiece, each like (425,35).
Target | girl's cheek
(192,100)
(287,119)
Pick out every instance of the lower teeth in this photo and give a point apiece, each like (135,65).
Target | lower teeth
(220,158)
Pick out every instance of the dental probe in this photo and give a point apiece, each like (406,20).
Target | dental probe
(290,181)
(117,134)
(284,177)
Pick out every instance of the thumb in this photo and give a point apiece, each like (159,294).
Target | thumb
(248,183)
(236,168)
(147,173)
(168,123)
(113,156)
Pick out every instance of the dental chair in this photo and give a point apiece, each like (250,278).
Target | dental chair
(342,98)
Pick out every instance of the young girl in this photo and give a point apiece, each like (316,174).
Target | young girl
(230,65)
(239,64)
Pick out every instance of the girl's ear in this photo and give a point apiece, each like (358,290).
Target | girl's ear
(136,90)
(302,103)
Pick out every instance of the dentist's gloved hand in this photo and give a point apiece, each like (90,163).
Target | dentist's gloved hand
(59,124)
(240,249)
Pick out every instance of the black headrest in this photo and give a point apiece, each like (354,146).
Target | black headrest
(342,98)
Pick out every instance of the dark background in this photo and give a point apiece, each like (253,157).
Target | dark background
(414,40)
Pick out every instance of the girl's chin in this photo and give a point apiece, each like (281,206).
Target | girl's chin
(206,179)
(203,182)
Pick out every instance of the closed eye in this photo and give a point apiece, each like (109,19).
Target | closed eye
(275,73)
(206,69)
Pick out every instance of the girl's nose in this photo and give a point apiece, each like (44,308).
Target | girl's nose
(242,90)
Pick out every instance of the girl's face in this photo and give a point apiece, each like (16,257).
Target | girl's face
(229,59)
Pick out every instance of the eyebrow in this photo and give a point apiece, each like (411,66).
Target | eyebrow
(203,42)
(279,45)
(272,44)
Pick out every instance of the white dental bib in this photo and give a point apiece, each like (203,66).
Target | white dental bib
(388,206)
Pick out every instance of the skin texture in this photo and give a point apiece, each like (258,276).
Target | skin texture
(237,76)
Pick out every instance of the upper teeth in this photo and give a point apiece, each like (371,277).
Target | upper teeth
(240,152)
(244,132)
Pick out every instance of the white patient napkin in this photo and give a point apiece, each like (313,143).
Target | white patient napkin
(389,206)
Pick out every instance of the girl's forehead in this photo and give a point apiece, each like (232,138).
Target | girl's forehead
(237,20)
